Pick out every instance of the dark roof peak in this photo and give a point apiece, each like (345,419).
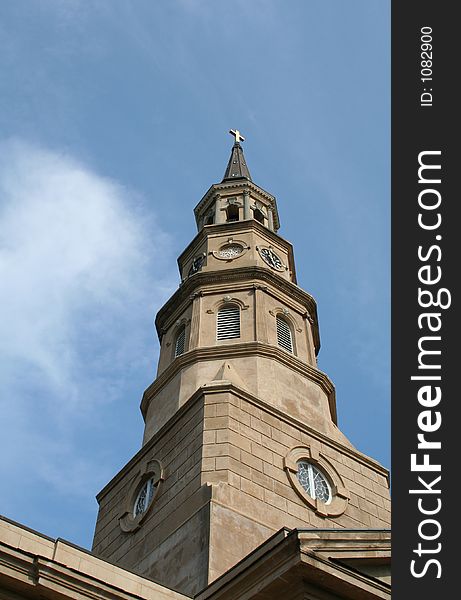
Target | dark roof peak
(237,167)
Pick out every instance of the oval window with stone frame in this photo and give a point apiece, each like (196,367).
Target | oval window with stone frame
(316,481)
(230,251)
(141,496)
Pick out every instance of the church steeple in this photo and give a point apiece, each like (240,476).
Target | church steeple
(237,167)
(241,436)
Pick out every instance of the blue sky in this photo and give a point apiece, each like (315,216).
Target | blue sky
(113,123)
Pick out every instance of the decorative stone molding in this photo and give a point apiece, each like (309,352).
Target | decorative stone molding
(241,350)
(196,295)
(229,300)
(218,188)
(182,321)
(339,493)
(178,302)
(150,469)
(308,317)
(288,316)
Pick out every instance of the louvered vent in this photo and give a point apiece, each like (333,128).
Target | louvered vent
(180,342)
(228,323)
(284,338)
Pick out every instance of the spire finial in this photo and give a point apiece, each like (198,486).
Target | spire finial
(238,136)
(236,167)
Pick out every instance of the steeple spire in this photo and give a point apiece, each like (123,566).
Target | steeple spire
(237,167)
(239,337)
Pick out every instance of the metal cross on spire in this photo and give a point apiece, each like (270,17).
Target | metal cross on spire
(236,167)
(238,136)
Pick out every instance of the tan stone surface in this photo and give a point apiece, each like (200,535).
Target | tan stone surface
(271,375)
(23,539)
(226,489)
(35,566)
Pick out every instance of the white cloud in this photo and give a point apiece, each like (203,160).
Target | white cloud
(75,279)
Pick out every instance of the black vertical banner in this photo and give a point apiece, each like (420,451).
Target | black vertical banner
(426,237)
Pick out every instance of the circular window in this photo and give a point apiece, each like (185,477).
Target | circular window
(144,497)
(230,251)
(141,495)
(316,481)
(313,482)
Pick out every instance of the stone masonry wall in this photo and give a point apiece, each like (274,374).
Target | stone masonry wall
(226,490)
(171,546)
(245,445)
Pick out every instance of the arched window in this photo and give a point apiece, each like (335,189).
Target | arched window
(180,342)
(209,219)
(284,336)
(228,322)
(232,212)
(258,215)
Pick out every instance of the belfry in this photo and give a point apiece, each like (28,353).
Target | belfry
(241,444)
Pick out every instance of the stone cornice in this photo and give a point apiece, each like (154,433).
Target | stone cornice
(345,543)
(285,558)
(239,183)
(249,274)
(224,352)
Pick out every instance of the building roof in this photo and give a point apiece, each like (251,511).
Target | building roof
(350,564)
(353,564)
(35,566)
(237,167)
